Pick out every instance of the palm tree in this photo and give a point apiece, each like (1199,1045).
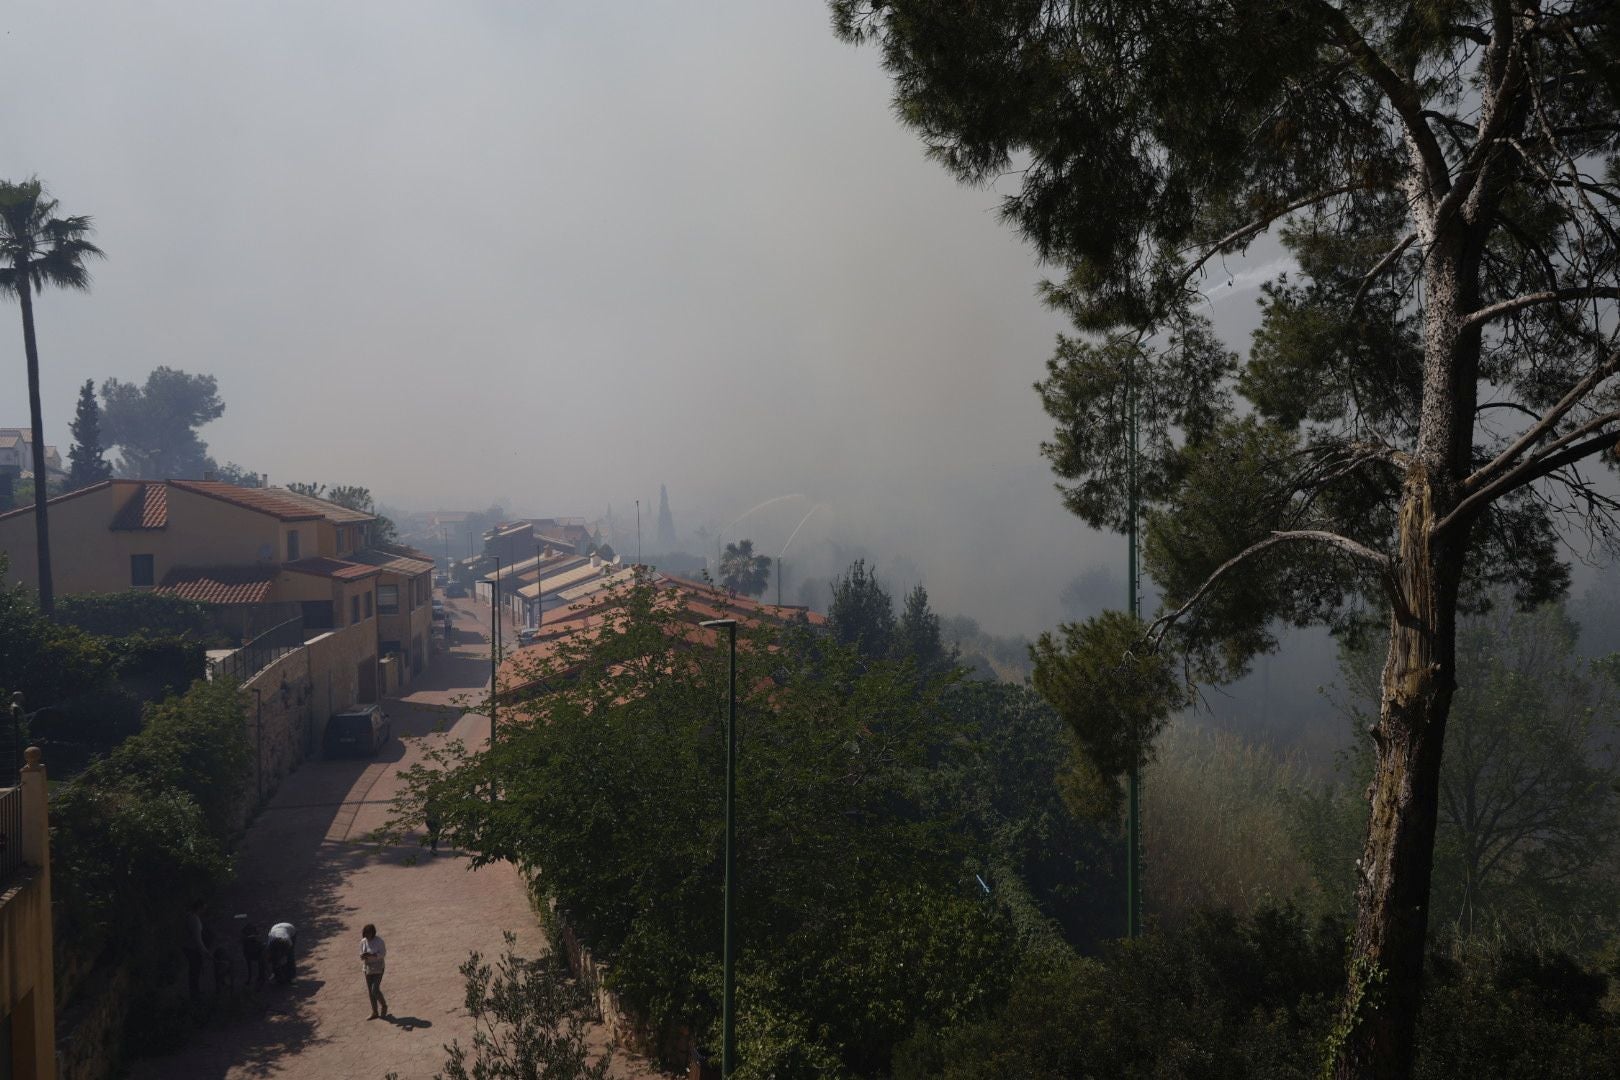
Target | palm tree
(38,249)
(744,572)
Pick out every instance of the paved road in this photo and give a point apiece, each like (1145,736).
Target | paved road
(305,861)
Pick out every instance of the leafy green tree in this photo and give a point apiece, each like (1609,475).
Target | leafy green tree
(529,1023)
(89,463)
(744,572)
(40,659)
(1414,413)
(155,425)
(313,491)
(861,614)
(860,914)
(232,473)
(37,249)
(353,497)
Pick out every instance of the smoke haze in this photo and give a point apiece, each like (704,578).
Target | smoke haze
(557,255)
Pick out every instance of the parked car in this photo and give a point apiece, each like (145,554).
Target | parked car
(455,590)
(527,635)
(438,609)
(358,732)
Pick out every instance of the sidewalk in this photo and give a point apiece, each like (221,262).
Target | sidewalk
(305,861)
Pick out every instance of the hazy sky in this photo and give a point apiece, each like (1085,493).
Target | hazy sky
(556,253)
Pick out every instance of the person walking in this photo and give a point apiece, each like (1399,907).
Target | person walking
(373,954)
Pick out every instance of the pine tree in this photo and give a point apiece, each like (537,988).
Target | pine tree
(89,463)
(1431,390)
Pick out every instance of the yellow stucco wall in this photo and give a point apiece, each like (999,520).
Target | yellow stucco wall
(88,557)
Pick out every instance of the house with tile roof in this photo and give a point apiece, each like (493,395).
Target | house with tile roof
(259,556)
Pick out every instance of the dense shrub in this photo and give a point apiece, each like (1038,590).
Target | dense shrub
(1233,997)
(121,614)
(45,661)
(148,828)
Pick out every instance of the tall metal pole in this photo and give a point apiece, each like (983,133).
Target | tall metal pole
(728,994)
(638,532)
(494,643)
(779,581)
(1133,828)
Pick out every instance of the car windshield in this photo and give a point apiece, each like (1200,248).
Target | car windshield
(351,724)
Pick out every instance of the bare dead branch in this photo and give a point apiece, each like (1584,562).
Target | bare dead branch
(1160,626)
(1547,423)
(1550,296)
(1378,269)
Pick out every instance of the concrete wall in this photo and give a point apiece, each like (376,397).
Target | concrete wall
(281,732)
(321,678)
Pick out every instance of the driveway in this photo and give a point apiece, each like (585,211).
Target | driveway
(305,861)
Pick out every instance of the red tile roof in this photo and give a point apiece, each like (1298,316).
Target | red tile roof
(406,561)
(326,508)
(261,500)
(148,508)
(321,566)
(220,584)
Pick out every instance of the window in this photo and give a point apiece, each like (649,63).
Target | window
(292,545)
(354,610)
(343,539)
(388,599)
(368,604)
(140,571)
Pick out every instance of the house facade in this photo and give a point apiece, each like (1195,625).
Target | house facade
(259,557)
(17,453)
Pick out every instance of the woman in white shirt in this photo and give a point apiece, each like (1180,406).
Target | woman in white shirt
(372,954)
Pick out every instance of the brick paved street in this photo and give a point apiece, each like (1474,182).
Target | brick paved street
(305,861)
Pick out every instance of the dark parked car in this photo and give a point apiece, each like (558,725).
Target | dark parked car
(455,590)
(359,732)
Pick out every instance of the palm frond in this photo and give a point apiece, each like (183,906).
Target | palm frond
(37,248)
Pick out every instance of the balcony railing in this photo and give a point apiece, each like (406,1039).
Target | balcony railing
(11,838)
(260,653)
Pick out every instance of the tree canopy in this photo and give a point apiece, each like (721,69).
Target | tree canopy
(1433,378)
(88,463)
(155,425)
(743,571)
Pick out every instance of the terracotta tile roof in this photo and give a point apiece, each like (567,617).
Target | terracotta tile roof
(282,505)
(321,566)
(402,561)
(148,508)
(220,584)
(326,508)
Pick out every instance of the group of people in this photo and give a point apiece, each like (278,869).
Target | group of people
(272,955)
(264,956)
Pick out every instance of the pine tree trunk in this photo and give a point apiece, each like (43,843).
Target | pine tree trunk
(1376,1035)
(42,531)
(1378,1022)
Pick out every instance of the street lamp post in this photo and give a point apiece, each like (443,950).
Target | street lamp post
(728,1003)
(494,643)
